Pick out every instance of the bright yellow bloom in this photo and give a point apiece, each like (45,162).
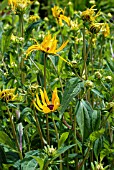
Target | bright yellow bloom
(89,15)
(106,30)
(19,5)
(58,13)
(46,106)
(8,95)
(48,45)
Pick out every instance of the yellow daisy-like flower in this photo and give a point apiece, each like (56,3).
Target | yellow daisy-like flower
(89,14)
(58,13)
(8,95)
(48,45)
(46,106)
(19,5)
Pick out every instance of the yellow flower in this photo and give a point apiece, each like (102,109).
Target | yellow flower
(46,106)
(33,18)
(48,45)
(19,5)
(106,30)
(89,15)
(8,95)
(58,13)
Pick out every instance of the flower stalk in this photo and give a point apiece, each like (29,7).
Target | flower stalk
(14,134)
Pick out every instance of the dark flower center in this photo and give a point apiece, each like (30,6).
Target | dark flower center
(48,48)
(50,106)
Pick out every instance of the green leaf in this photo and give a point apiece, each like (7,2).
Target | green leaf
(83,113)
(96,119)
(3,5)
(61,151)
(30,28)
(72,89)
(80,117)
(97,93)
(28,164)
(40,161)
(5,139)
(96,134)
(63,138)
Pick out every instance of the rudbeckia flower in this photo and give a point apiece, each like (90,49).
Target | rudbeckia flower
(8,95)
(48,45)
(46,106)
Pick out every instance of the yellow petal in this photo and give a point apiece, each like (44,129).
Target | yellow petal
(62,46)
(46,109)
(46,97)
(43,98)
(32,48)
(36,106)
(56,104)
(54,95)
(38,101)
(66,19)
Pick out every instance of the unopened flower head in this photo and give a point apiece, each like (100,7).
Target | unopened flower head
(95,28)
(89,84)
(47,106)
(8,95)
(50,151)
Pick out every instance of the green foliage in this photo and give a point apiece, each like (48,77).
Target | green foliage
(73,127)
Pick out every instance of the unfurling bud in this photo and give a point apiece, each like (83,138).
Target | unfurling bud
(89,84)
(108,79)
(95,28)
(98,75)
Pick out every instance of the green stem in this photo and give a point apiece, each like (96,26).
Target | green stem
(47,122)
(86,156)
(75,141)
(14,134)
(22,59)
(57,136)
(39,129)
(58,75)
(84,54)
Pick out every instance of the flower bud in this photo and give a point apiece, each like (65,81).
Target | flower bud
(89,84)
(98,75)
(108,79)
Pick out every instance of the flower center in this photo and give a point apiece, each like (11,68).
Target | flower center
(48,48)
(50,106)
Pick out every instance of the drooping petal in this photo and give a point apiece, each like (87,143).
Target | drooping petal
(38,101)
(32,48)
(46,97)
(54,95)
(66,19)
(36,106)
(62,46)
(63,59)
(56,103)
(43,98)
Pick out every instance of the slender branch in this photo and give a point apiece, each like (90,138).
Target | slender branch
(47,122)
(14,134)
